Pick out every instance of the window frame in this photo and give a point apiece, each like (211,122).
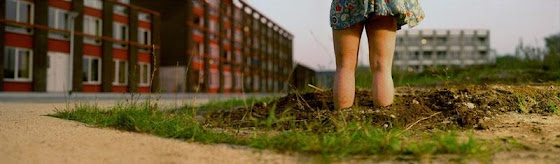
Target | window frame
(120,9)
(19,29)
(214,79)
(146,41)
(90,68)
(117,28)
(57,35)
(92,23)
(146,73)
(94,4)
(16,64)
(145,17)
(116,63)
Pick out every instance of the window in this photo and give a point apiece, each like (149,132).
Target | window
(144,17)
(256,81)
(238,81)
(238,36)
(124,1)
(198,52)
(91,70)
(427,55)
(119,9)
(442,55)
(19,11)
(415,55)
(238,57)
(441,40)
(96,4)
(17,64)
(213,29)
(198,21)
(214,51)
(120,32)
(145,74)
(144,36)
(121,72)
(92,26)
(227,80)
(58,19)
(214,79)
(482,40)
(226,56)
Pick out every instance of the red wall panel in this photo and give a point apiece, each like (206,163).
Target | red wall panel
(59,45)
(143,89)
(120,89)
(146,25)
(93,12)
(18,40)
(120,54)
(17,86)
(120,18)
(91,88)
(92,50)
(144,57)
(60,4)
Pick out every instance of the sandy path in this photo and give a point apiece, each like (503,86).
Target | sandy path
(26,136)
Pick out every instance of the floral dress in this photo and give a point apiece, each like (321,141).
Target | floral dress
(345,13)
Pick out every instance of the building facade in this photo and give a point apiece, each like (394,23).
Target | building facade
(114,48)
(221,46)
(418,50)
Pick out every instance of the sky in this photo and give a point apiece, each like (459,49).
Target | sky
(509,21)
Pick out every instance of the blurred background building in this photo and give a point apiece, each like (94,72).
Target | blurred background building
(109,52)
(417,50)
(215,46)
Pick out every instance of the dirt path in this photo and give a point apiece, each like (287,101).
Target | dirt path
(538,135)
(27,136)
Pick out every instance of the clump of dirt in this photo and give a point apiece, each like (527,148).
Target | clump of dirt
(463,107)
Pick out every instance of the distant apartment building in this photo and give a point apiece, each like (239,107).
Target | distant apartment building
(418,50)
(205,46)
(110,50)
(221,46)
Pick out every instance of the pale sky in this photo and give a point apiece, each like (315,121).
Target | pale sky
(508,22)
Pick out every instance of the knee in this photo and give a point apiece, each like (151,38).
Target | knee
(345,67)
(380,66)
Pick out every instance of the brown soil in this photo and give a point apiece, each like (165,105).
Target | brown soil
(442,108)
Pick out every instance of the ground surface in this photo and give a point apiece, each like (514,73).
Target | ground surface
(27,136)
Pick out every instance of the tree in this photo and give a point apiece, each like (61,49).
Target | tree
(552,58)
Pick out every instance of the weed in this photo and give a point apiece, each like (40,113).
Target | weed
(552,108)
(513,142)
(521,104)
(217,104)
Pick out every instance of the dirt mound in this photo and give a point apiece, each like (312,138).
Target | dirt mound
(463,107)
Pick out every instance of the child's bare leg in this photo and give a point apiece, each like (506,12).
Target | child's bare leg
(381,32)
(346,46)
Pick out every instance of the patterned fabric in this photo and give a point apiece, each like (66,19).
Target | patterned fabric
(345,13)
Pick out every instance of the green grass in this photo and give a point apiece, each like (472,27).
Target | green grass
(506,70)
(355,138)
(218,104)
(522,104)
(552,108)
